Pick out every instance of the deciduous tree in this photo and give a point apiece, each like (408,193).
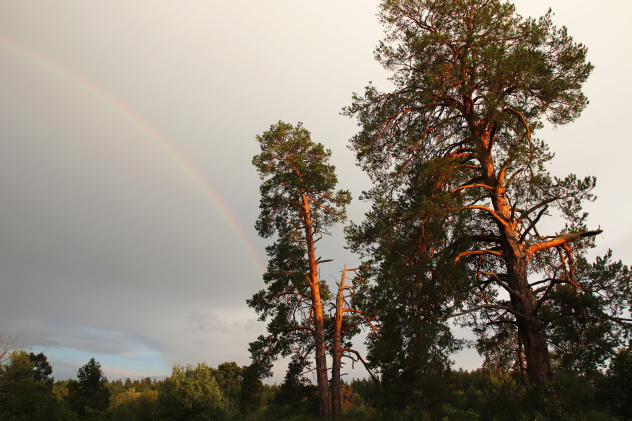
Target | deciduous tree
(26,390)
(42,369)
(191,393)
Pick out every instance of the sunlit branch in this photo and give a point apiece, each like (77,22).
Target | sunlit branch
(560,240)
(472,186)
(476,253)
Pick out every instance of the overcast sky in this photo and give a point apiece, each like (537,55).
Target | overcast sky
(127,193)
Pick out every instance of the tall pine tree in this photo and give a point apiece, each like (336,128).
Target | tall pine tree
(460,184)
(299,204)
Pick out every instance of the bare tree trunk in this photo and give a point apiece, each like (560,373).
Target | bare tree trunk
(321,361)
(319,325)
(336,396)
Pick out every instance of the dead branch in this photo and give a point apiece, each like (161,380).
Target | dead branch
(560,240)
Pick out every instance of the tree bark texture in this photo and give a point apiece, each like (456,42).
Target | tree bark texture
(530,328)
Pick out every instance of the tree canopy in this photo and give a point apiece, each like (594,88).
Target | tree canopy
(191,393)
(461,188)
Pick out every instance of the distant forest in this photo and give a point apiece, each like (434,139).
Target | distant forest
(231,392)
(466,227)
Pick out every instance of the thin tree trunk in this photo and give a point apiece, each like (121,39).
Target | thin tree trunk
(321,361)
(336,396)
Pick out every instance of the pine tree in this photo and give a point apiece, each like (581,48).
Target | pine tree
(460,184)
(299,204)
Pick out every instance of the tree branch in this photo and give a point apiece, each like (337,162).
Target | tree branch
(559,240)
(487,306)
(476,253)
(366,365)
(501,283)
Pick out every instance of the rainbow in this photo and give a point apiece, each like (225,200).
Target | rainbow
(142,125)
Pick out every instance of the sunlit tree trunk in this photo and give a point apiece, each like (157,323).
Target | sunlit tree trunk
(516,258)
(317,308)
